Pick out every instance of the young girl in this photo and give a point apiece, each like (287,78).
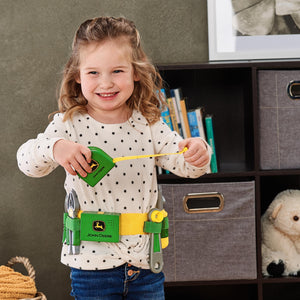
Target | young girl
(108,99)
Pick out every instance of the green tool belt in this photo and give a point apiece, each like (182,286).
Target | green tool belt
(107,227)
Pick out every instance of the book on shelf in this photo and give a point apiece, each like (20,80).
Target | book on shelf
(187,132)
(176,94)
(196,124)
(200,116)
(173,114)
(194,128)
(211,142)
(165,113)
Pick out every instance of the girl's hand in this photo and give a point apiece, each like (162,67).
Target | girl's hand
(197,153)
(73,157)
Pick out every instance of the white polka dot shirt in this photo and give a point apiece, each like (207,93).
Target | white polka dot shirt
(130,187)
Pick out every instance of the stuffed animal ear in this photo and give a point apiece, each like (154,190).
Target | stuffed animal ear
(276,211)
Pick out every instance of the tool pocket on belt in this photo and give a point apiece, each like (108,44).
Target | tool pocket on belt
(96,227)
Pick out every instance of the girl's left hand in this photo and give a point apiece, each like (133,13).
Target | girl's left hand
(197,153)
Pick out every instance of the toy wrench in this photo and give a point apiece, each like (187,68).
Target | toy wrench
(72,207)
(156,256)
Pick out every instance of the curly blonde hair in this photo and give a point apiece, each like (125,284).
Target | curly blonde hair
(146,96)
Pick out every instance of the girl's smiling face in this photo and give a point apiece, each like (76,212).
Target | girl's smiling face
(107,79)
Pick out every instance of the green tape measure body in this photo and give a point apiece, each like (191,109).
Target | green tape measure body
(101,164)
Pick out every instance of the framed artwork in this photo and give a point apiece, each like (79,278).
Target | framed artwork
(253,29)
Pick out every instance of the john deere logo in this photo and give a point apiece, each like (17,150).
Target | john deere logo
(94,165)
(98,225)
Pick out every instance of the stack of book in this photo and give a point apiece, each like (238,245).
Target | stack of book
(189,123)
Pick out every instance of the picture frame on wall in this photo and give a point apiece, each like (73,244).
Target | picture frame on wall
(253,29)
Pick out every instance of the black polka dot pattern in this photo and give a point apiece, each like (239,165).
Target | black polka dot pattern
(130,187)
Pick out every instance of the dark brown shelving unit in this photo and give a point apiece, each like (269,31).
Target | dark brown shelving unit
(229,91)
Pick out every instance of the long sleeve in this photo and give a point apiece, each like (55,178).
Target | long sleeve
(35,157)
(174,163)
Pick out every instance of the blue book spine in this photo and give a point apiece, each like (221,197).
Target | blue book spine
(192,118)
(165,113)
(166,117)
(211,142)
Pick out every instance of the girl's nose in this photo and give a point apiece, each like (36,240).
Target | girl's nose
(105,82)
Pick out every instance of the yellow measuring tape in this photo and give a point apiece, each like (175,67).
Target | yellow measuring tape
(149,155)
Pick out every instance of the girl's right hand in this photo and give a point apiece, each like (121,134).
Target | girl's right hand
(73,157)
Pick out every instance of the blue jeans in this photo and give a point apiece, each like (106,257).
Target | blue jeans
(124,282)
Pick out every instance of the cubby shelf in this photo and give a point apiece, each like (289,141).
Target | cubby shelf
(229,91)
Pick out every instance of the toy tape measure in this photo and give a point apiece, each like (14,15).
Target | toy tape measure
(102,163)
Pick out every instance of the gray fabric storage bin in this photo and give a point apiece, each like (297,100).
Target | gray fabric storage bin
(215,245)
(279,117)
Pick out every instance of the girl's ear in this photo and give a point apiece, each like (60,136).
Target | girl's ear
(136,77)
(77,78)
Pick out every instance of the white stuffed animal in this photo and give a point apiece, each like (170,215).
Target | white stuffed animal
(281,235)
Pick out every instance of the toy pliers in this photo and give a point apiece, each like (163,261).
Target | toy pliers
(72,207)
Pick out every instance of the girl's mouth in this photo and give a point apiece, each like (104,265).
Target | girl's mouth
(107,95)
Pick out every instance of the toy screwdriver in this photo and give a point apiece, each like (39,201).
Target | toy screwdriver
(102,163)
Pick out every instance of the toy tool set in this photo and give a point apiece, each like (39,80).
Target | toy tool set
(102,163)
(109,226)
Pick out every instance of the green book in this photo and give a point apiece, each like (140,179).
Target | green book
(211,142)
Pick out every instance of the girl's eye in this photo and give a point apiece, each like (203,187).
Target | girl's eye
(93,72)
(117,71)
